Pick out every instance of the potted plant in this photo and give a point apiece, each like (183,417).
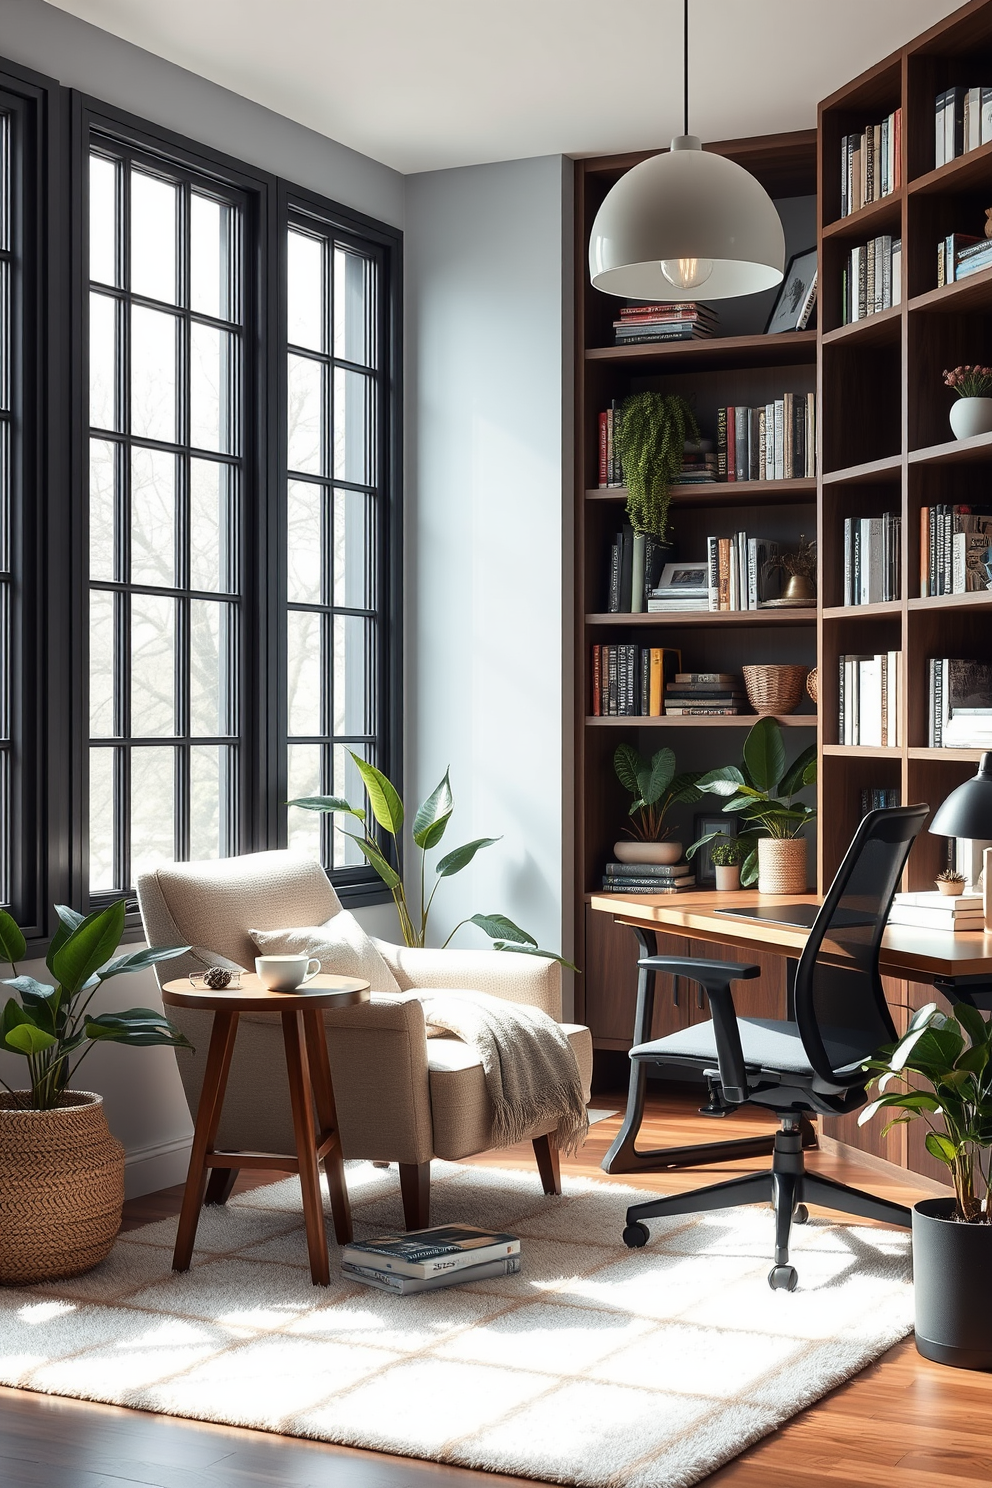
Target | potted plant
(950,882)
(761,791)
(972,413)
(650,433)
(61,1171)
(655,787)
(728,854)
(940,1073)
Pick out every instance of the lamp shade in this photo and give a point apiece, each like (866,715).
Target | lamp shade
(967,812)
(688,220)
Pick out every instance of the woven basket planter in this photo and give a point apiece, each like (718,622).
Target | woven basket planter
(812,684)
(61,1188)
(774,689)
(781,865)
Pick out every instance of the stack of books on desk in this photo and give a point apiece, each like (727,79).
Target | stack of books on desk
(936,911)
(424,1260)
(648,878)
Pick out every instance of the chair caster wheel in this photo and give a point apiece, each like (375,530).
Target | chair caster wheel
(783,1278)
(800,1214)
(635,1235)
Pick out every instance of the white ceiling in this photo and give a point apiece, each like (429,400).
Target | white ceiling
(427,84)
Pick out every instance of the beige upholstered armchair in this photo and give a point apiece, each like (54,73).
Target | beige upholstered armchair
(401,1097)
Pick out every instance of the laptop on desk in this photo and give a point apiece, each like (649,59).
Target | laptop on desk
(800,916)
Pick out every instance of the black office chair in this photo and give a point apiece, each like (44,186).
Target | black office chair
(811,1065)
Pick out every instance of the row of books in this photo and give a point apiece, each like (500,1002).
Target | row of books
(959,703)
(610,474)
(931,910)
(871,280)
(742,572)
(644,682)
(636,561)
(424,1260)
(776,442)
(962,122)
(685,322)
(878,798)
(648,878)
(960,255)
(869,699)
(870,163)
(872,559)
(954,550)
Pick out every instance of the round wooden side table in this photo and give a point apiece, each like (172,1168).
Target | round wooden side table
(310,1086)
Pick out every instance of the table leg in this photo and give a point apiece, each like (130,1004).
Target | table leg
(323,1093)
(301,1098)
(222,1036)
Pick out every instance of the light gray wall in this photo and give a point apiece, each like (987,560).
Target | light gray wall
(488,421)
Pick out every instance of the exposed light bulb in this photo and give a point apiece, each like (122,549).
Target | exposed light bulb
(686,273)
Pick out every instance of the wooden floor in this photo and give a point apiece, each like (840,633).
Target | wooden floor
(902,1420)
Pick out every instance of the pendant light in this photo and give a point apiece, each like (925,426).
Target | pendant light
(686,220)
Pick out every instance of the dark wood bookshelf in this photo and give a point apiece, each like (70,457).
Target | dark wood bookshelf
(708,617)
(741,721)
(725,493)
(715,351)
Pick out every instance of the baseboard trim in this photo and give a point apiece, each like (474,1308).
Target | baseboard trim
(162,1165)
(882,1165)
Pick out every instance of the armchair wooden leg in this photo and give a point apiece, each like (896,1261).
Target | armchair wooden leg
(546,1152)
(415,1187)
(220,1184)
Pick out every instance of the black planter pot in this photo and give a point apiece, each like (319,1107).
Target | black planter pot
(952,1264)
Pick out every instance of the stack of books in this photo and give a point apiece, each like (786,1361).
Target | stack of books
(870,163)
(648,878)
(959,256)
(872,563)
(705,694)
(628,681)
(954,546)
(960,703)
(936,911)
(869,699)
(424,1260)
(962,122)
(685,322)
(742,572)
(683,586)
(699,464)
(776,442)
(871,280)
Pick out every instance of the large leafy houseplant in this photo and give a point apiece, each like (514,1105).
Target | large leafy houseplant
(762,792)
(48,1024)
(655,788)
(429,826)
(650,433)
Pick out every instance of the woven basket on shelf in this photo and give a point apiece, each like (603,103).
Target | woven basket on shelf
(61,1188)
(811,684)
(774,689)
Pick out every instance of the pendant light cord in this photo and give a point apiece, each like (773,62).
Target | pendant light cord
(685,66)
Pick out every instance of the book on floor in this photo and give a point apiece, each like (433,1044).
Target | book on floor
(424,1253)
(403,1286)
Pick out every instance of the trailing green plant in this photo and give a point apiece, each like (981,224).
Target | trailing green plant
(655,787)
(429,825)
(650,432)
(728,852)
(761,792)
(50,1023)
(942,1071)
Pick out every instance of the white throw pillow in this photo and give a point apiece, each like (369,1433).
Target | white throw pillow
(340,944)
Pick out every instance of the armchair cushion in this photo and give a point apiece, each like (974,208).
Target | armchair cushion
(507,974)
(339,944)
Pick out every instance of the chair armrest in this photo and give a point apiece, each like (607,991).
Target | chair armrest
(533,980)
(715,978)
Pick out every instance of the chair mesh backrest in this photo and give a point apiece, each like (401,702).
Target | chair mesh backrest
(840,1005)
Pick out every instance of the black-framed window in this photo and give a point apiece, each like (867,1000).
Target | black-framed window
(7,270)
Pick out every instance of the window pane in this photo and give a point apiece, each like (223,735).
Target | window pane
(307,316)
(212,526)
(103,220)
(5,336)
(153,237)
(352,675)
(305,542)
(103,505)
(347,782)
(102,876)
(306,415)
(354,550)
(153,665)
(211,391)
(153,374)
(102,669)
(103,362)
(303,830)
(304,671)
(153,797)
(153,517)
(211,260)
(209,795)
(352,291)
(352,427)
(210,668)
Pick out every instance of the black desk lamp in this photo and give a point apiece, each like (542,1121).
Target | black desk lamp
(967,812)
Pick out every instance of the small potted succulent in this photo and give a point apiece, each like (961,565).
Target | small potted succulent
(950,882)
(655,787)
(972,413)
(728,854)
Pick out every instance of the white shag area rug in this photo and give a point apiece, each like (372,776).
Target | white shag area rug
(595,1366)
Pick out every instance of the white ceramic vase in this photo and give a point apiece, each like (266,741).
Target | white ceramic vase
(971,416)
(647,852)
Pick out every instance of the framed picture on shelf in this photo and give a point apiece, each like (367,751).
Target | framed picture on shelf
(795,305)
(683,578)
(702,825)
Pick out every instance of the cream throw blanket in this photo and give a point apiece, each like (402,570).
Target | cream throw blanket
(530,1070)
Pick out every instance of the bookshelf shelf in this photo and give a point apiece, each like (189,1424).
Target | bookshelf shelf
(973,293)
(741,721)
(978,601)
(969,172)
(718,618)
(971,451)
(725,352)
(727,493)
(889,468)
(869,221)
(861,751)
(863,612)
(881,329)
(963,756)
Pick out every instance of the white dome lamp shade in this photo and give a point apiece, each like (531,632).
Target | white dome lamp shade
(684,221)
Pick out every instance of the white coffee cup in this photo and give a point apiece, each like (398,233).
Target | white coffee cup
(285,973)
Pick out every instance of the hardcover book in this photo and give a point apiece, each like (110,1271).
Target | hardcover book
(425,1253)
